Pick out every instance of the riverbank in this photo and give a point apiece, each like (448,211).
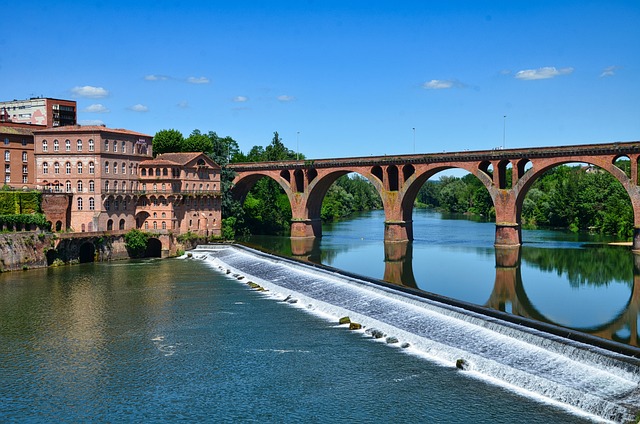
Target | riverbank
(581,376)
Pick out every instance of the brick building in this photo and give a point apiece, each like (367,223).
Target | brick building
(114,183)
(39,111)
(17,169)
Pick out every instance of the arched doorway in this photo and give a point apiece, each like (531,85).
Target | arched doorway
(154,248)
(87,252)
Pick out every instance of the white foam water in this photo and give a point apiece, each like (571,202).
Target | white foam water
(580,376)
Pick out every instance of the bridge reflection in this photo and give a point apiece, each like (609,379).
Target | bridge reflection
(508,294)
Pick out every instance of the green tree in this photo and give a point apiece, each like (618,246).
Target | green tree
(197,142)
(136,242)
(167,141)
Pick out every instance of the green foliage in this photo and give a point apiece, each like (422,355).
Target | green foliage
(20,202)
(577,198)
(198,142)
(167,141)
(348,195)
(22,220)
(136,242)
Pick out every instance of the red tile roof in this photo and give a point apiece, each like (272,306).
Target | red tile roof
(179,158)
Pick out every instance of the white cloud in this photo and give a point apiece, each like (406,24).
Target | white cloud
(183,104)
(90,122)
(90,92)
(437,84)
(139,108)
(609,71)
(240,99)
(96,108)
(198,80)
(542,73)
(153,77)
(286,98)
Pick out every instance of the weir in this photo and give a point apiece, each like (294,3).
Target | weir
(580,376)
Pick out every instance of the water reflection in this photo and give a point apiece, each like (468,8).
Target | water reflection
(603,282)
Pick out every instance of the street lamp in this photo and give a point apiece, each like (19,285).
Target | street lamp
(298,145)
(414,140)
(504,130)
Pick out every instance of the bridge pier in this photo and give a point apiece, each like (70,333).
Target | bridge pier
(306,228)
(636,241)
(398,231)
(508,234)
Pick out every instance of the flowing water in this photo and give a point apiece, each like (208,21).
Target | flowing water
(178,340)
(571,280)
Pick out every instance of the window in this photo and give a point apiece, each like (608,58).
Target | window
(79,166)
(164,215)
(124,168)
(6,141)
(25,179)
(67,186)
(106,145)
(155,225)
(79,203)
(24,156)
(124,147)
(91,145)
(107,204)
(164,225)
(115,205)
(56,168)
(115,146)
(7,155)
(92,186)
(92,168)
(67,145)
(92,204)
(67,167)
(115,167)
(80,186)
(124,186)
(115,186)
(79,145)
(45,146)
(146,225)
(155,215)
(106,186)
(7,178)
(106,167)
(165,172)
(144,172)
(25,169)
(24,141)
(56,145)
(45,168)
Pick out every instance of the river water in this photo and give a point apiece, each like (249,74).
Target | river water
(572,280)
(176,339)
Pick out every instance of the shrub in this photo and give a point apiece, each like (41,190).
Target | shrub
(136,242)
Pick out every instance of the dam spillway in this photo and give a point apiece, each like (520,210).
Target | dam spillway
(584,378)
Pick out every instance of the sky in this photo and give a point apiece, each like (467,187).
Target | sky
(337,78)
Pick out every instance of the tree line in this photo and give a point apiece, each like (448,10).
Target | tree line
(577,198)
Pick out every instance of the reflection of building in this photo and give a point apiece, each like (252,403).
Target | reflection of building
(17,155)
(39,111)
(114,183)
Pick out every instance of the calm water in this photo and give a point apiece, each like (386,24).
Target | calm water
(561,278)
(172,340)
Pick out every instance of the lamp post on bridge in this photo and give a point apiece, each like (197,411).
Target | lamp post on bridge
(414,140)
(298,145)
(504,130)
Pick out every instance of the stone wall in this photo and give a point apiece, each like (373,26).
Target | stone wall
(23,250)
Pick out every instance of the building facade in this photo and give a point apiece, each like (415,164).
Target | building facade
(18,163)
(114,183)
(39,111)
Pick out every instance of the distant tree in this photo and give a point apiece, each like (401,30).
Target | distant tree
(198,142)
(167,141)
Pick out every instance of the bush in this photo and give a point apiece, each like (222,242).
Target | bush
(136,242)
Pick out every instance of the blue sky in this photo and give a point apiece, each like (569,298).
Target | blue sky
(337,78)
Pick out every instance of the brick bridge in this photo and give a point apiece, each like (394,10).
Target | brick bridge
(399,178)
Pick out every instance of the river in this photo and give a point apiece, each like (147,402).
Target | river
(572,280)
(177,340)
